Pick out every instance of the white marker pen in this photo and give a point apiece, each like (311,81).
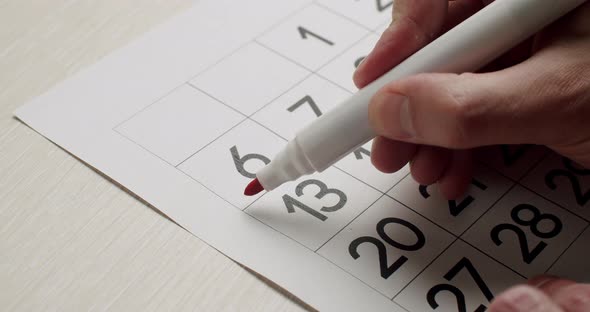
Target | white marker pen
(467,47)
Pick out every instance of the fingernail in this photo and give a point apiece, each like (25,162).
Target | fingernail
(390,116)
(523,299)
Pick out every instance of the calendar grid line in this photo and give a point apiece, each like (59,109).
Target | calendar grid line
(342,16)
(310,72)
(373,30)
(160,98)
(351,221)
(322,256)
(252,38)
(190,84)
(377,291)
(317,253)
(219,136)
(322,76)
(533,167)
(217,62)
(209,144)
(420,214)
(270,28)
(335,166)
(519,183)
(424,269)
(258,42)
(568,247)
(171,165)
(514,184)
(489,256)
(251,216)
(556,203)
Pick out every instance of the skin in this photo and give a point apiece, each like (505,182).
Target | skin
(538,93)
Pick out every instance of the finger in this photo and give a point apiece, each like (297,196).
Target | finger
(550,285)
(517,55)
(429,163)
(456,179)
(523,298)
(461,10)
(390,156)
(512,106)
(415,24)
(574,298)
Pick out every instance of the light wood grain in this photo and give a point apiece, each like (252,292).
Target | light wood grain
(70,240)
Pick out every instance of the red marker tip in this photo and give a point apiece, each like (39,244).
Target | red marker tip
(253,188)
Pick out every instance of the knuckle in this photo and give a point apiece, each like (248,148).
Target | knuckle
(466,113)
(421,34)
(571,82)
(511,300)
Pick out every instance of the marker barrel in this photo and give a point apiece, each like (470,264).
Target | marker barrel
(467,47)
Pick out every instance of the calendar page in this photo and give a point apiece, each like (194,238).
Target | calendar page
(184,117)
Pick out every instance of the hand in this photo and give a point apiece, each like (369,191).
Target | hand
(544,294)
(539,93)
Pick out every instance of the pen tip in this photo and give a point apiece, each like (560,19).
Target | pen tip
(253,188)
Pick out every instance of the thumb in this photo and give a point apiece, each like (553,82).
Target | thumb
(470,110)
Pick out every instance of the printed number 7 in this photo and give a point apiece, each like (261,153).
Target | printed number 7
(464,263)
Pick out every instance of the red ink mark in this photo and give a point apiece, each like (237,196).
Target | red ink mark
(253,188)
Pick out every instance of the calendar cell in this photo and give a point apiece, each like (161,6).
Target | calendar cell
(231,162)
(300,106)
(369,13)
(461,279)
(314,208)
(179,124)
(573,264)
(341,69)
(358,164)
(525,232)
(564,182)
(387,246)
(313,37)
(513,161)
(250,78)
(455,215)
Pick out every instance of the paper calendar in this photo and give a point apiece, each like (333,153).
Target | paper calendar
(184,117)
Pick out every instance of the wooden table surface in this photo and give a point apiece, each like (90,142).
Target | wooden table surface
(70,240)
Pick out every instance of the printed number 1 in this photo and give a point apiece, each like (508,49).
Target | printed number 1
(304,32)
